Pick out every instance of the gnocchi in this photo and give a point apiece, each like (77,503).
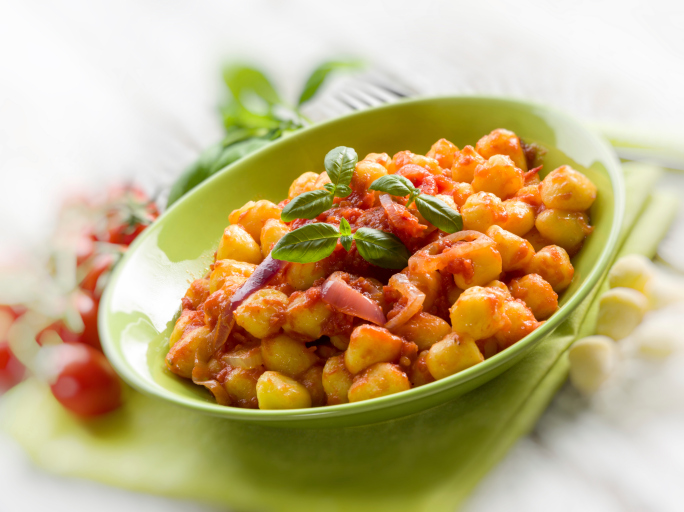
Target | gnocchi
(237,244)
(277,391)
(592,360)
(253,216)
(292,341)
(569,190)
(378,380)
(498,175)
(503,142)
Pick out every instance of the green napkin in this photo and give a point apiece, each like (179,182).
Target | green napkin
(425,462)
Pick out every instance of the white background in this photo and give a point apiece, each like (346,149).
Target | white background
(95,92)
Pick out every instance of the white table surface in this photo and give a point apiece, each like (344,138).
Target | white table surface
(94,92)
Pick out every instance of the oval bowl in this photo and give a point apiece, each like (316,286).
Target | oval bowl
(142,301)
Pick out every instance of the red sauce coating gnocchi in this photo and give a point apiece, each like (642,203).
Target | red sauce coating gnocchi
(463,297)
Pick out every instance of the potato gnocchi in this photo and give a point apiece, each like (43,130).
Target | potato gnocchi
(463,297)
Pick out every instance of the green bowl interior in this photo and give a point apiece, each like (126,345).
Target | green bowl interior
(142,301)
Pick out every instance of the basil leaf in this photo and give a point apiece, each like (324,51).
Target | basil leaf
(210,161)
(343,191)
(382,249)
(394,185)
(339,164)
(307,244)
(319,75)
(235,114)
(238,134)
(439,214)
(243,80)
(412,197)
(346,242)
(345,228)
(253,115)
(308,205)
(194,174)
(329,187)
(236,151)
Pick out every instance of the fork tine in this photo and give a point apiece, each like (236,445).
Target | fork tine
(360,92)
(365,98)
(391,90)
(345,100)
(381,95)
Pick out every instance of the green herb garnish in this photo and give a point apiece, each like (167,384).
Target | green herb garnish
(307,244)
(434,210)
(346,237)
(308,205)
(254,115)
(319,75)
(316,241)
(339,164)
(382,249)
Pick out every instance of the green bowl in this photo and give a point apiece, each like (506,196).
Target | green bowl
(142,301)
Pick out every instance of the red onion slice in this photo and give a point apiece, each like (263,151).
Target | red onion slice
(247,358)
(346,299)
(261,276)
(222,331)
(414,298)
(438,254)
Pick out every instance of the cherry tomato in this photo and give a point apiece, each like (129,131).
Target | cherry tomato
(130,212)
(11,370)
(86,383)
(101,264)
(88,308)
(124,234)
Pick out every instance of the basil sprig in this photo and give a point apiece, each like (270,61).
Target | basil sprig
(434,210)
(346,235)
(316,241)
(307,244)
(339,164)
(382,249)
(254,114)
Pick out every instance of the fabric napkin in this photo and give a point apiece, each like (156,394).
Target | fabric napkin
(426,462)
